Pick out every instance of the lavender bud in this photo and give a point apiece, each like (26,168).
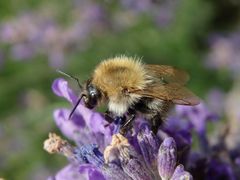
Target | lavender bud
(181,174)
(167,157)
(149,145)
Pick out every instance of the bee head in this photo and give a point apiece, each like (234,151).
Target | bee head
(92,95)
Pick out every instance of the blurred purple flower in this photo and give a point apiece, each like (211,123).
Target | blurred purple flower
(197,115)
(141,5)
(37,33)
(22,52)
(215,100)
(224,52)
(162,12)
(166,13)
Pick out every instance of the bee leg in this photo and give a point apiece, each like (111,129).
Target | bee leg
(108,117)
(118,121)
(156,122)
(127,126)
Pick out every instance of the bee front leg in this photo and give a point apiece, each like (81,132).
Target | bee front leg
(117,120)
(108,117)
(128,125)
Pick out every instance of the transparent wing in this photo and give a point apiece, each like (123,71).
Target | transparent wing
(170,92)
(167,74)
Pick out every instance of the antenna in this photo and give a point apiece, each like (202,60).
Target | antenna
(80,86)
(70,76)
(75,106)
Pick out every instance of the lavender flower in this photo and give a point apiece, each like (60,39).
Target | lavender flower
(86,128)
(101,154)
(120,160)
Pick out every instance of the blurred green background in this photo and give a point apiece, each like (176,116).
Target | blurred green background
(38,37)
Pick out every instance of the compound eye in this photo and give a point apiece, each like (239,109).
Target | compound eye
(93,96)
(92,91)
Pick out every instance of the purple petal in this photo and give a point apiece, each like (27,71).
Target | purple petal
(135,168)
(85,126)
(180,173)
(96,124)
(167,157)
(68,127)
(131,162)
(114,172)
(74,130)
(70,172)
(91,172)
(149,145)
(60,88)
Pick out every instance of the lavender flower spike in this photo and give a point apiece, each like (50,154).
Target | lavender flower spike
(167,157)
(131,162)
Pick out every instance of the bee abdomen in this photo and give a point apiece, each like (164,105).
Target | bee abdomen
(154,110)
(165,108)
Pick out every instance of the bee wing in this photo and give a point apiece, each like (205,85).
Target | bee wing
(169,92)
(167,73)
